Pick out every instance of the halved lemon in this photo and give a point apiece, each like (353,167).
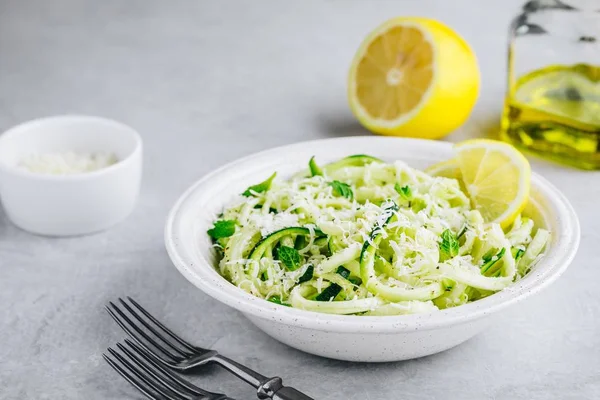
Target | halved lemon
(497,177)
(413,77)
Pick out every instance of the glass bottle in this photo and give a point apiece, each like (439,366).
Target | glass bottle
(552,105)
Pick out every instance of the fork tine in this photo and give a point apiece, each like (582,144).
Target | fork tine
(148,380)
(136,383)
(152,329)
(136,332)
(169,379)
(161,326)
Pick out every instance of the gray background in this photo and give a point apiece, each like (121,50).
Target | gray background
(205,83)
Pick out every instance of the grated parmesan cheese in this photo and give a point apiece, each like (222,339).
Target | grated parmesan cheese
(67,163)
(411,270)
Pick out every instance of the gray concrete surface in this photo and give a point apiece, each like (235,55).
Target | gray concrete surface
(205,83)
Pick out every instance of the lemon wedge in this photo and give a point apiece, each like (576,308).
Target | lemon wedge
(413,77)
(496,176)
(446,169)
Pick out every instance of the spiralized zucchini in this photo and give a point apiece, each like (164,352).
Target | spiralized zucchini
(360,236)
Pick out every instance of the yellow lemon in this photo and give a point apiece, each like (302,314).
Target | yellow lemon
(413,77)
(447,169)
(496,176)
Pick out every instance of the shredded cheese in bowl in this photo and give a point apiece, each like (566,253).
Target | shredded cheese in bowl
(67,163)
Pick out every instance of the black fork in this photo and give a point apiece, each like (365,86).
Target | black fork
(152,379)
(160,343)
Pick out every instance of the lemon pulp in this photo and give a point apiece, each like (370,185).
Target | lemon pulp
(494,174)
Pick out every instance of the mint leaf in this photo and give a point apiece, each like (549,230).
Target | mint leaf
(342,189)
(222,229)
(290,257)
(314,168)
(448,246)
(260,187)
(403,191)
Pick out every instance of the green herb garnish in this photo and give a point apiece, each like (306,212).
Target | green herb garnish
(403,191)
(222,229)
(289,256)
(449,245)
(342,189)
(260,187)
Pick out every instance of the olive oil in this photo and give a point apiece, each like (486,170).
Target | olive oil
(555,111)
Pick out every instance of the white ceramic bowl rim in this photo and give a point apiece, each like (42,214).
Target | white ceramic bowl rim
(39,122)
(557,259)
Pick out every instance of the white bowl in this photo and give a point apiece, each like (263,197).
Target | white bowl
(62,205)
(354,338)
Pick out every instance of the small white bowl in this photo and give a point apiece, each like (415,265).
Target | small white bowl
(347,337)
(64,205)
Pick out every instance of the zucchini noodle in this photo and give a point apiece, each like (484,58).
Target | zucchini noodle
(361,236)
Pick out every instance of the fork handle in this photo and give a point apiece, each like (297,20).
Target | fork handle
(274,389)
(267,388)
(241,371)
(289,393)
